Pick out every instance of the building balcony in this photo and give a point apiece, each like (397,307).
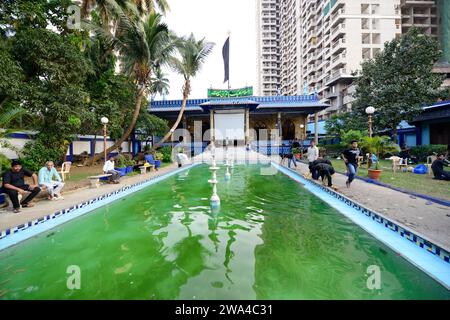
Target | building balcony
(338,31)
(337,17)
(338,74)
(338,60)
(338,45)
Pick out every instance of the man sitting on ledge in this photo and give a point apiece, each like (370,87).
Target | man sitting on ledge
(14,183)
(438,168)
(47,175)
(108,168)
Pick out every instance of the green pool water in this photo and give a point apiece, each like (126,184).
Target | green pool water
(271,239)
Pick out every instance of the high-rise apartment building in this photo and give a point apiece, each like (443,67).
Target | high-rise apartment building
(322,42)
(268,47)
(317,45)
(337,35)
(421,14)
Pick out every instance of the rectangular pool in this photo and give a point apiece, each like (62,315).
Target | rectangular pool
(270,239)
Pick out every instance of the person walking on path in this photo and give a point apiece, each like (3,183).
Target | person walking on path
(312,154)
(350,157)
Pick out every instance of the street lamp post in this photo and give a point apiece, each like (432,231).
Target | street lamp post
(104,121)
(370,111)
(302,127)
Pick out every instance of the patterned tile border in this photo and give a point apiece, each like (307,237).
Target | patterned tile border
(86,204)
(413,237)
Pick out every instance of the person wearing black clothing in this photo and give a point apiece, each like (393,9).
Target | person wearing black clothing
(14,183)
(350,157)
(404,153)
(313,167)
(325,170)
(438,168)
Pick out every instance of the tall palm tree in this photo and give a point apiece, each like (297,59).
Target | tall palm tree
(143,46)
(192,56)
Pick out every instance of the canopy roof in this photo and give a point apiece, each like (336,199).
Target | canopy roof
(305,104)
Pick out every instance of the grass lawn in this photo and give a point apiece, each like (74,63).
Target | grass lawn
(419,183)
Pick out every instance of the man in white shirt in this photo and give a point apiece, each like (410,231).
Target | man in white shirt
(312,154)
(108,168)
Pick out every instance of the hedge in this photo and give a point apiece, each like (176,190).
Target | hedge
(422,152)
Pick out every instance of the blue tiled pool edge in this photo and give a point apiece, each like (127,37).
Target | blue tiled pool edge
(15,235)
(427,256)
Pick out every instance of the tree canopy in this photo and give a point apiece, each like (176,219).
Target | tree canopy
(399,81)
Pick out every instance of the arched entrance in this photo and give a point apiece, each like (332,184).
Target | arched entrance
(260,125)
(288,130)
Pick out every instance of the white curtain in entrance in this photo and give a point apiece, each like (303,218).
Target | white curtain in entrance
(229,125)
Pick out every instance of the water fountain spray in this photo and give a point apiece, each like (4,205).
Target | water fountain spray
(215,200)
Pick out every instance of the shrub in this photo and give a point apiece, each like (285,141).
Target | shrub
(422,152)
(332,150)
(5,163)
(167,154)
(36,154)
(121,161)
(158,156)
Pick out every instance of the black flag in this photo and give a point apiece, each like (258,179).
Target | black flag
(226,59)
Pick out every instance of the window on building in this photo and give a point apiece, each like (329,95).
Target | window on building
(375,8)
(375,24)
(365,38)
(366,53)
(376,38)
(365,23)
(364,8)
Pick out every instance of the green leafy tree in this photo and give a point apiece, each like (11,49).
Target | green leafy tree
(144,45)
(192,54)
(343,122)
(55,71)
(399,81)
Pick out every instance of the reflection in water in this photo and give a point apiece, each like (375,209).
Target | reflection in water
(270,239)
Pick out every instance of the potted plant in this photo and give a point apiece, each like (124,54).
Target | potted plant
(297,153)
(377,145)
(121,165)
(130,163)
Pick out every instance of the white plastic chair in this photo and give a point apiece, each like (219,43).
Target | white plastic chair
(65,169)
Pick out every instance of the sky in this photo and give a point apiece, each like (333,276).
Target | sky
(212,19)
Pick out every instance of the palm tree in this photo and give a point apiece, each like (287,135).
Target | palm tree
(150,6)
(159,84)
(8,115)
(105,8)
(143,46)
(192,55)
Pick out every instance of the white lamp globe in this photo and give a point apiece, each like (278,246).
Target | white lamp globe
(105,120)
(302,126)
(370,110)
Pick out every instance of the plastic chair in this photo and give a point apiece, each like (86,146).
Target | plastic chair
(430,160)
(65,169)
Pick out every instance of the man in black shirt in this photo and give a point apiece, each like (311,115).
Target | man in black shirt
(350,157)
(313,167)
(14,183)
(324,169)
(438,168)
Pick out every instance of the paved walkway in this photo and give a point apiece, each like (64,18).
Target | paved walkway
(428,218)
(9,219)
